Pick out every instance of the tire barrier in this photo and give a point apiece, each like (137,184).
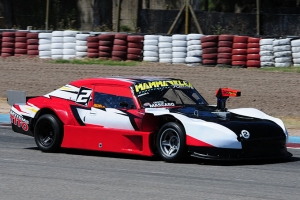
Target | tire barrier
(165,49)
(81,45)
(8,44)
(106,42)
(266,52)
(20,43)
(253,57)
(32,44)
(179,48)
(135,47)
(282,52)
(69,39)
(0,42)
(209,50)
(295,44)
(239,51)
(57,45)
(93,46)
(119,50)
(44,45)
(194,49)
(225,50)
(150,48)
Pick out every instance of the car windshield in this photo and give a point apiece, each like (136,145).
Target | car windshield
(167,93)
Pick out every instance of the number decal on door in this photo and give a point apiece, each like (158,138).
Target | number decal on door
(84,96)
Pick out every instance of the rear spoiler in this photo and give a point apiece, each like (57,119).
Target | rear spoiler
(15,96)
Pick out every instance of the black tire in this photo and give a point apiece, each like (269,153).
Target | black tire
(48,133)
(171,139)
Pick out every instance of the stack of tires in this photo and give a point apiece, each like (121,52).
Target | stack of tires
(253,57)
(225,50)
(266,52)
(165,49)
(194,49)
(45,45)
(69,51)
(209,50)
(93,46)
(135,47)
(106,42)
(119,51)
(179,48)
(32,44)
(0,42)
(81,45)
(8,44)
(282,52)
(239,51)
(296,52)
(21,43)
(57,45)
(150,48)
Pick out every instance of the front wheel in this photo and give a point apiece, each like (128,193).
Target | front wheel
(48,133)
(170,142)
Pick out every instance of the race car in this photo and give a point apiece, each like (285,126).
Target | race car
(146,116)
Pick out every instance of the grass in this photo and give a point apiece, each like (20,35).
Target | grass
(291,122)
(281,69)
(94,61)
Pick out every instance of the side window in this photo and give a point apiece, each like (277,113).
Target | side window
(102,100)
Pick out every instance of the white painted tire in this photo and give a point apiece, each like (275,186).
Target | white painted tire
(165,39)
(57,45)
(282,48)
(44,53)
(287,64)
(179,49)
(165,55)
(267,64)
(179,43)
(45,41)
(178,60)
(69,51)
(194,36)
(150,48)
(57,40)
(150,59)
(45,36)
(296,60)
(283,54)
(193,59)
(283,59)
(81,43)
(150,54)
(44,57)
(69,40)
(295,49)
(82,37)
(56,52)
(57,34)
(266,48)
(69,57)
(266,42)
(44,47)
(69,33)
(57,57)
(70,45)
(296,65)
(164,44)
(179,37)
(266,53)
(194,53)
(151,37)
(179,54)
(151,42)
(194,47)
(280,42)
(81,54)
(267,58)
(193,42)
(165,50)
(296,55)
(81,48)
(165,60)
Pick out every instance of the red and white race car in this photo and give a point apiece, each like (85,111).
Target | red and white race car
(146,116)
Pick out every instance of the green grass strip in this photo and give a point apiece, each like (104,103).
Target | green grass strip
(97,62)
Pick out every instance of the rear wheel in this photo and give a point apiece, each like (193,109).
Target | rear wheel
(48,133)
(170,142)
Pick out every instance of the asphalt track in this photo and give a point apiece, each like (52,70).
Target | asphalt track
(27,173)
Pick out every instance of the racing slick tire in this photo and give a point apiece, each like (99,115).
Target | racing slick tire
(48,133)
(171,142)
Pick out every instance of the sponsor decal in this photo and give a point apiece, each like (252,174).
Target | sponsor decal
(245,134)
(83,96)
(98,105)
(19,121)
(155,85)
(156,104)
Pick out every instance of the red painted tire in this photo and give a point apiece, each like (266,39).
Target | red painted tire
(21,45)
(8,34)
(8,39)
(119,48)
(32,36)
(135,45)
(134,57)
(122,54)
(120,42)
(225,44)
(253,45)
(209,44)
(104,54)
(33,52)
(21,34)
(21,39)
(121,36)
(105,43)
(224,50)
(253,40)
(239,46)
(92,55)
(92,50)
(225,55)
(253,50)
(239,51)
(226,38)
(20,51)
(224,61)
(209,62)
(240,39)
(136,51)
(7,50)
(94,45)
(135,38)
(209,38)
(210,56)
(107,37)
(210,50)
(238,63)
(32,41)
(6,54)
(253,57)
(105,48)
(8,44)
(239,58)
(32,47)
(253,63)
(93,39)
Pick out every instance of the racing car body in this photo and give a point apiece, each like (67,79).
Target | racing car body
(145,116)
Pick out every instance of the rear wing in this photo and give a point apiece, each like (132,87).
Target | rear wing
(15,96)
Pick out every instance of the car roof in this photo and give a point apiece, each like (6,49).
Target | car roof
(117,80)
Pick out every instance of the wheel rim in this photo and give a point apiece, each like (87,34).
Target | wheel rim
(169,142)
(46,134)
